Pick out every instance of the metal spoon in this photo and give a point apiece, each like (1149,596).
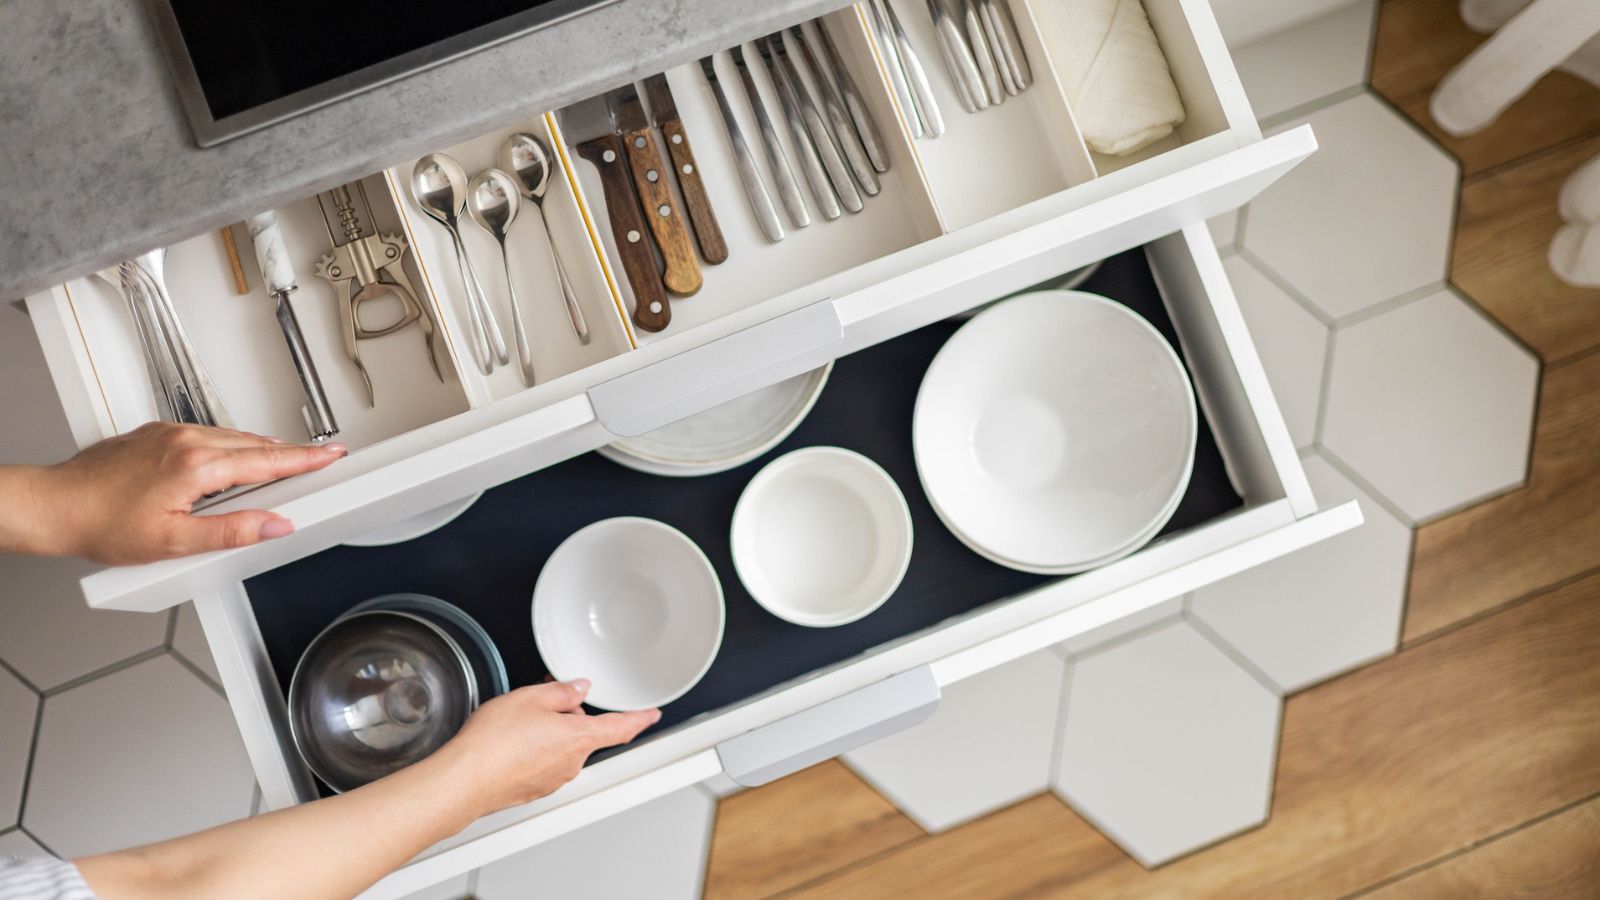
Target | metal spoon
(440,188)
(529,161)
(493,201)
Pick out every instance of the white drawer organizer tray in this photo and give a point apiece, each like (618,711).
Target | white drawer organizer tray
(1005,199)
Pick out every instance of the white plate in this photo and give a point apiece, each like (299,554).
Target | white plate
(821,536)
(1066,282)
(1055,432)
(725,436)
(632,605)
(416,526)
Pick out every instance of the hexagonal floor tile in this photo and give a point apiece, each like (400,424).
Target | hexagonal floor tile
(1224,229)
(51,636)
(1431,405)
(190,642)
(18,845)
(1292,343)
(662,846)
(1366,218)
(1322,610)
(18,708)
(141,755)
(1299,65)
(1168,745)
(987,746)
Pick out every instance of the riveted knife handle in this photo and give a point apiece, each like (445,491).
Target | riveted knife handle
(651,308)
(706,230)
(666,221)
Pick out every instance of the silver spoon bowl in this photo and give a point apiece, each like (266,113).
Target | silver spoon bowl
(530,163)
(493,201)
(440,187)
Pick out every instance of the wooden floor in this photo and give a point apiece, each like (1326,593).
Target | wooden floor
(1466,765)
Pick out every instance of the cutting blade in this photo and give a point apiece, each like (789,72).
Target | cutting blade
(662,107)
(627,109)
(587,120)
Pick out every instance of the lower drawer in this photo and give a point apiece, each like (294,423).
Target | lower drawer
(1248,503)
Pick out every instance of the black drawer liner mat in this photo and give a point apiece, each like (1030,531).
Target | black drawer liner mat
(487,560)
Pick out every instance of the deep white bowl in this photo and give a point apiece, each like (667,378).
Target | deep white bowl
(632,605)
(1055,432)
(821,536)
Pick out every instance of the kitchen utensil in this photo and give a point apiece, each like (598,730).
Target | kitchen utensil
(439,186)
(915,75)
(817,128)
(493,202)
(364,266)
(725,436)
(241,285)
(892,67)
(993,31)
(592,131)
(866,127)
(838,120)
(278,272)
(755,190)
(978,40)
(777,161)
(1055,431)
(1010,48)
(821,536)
(488,666)
(632,605)
(958,58)
(416,526)
(375,692)
(664,113)
(821,191)
(532,165)
(682,274)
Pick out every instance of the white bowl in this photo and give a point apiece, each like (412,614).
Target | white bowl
(632,605)
(1055,432)
(821,536)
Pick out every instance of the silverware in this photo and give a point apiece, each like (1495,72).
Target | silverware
(989,14)
(194,398)
(532,166)
(777,161)
(866,128)
(821,190)
(493,202)
(958,59)
(754,188)
(364,266)
(978,40)
(682,270)
(821,138)
(844,133)
(1010,47)
(278,272)
(664,114)
(440,187)
(897,75)
(916,76)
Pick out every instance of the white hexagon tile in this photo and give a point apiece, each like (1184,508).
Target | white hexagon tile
(986,746)
(1322,610)
(1431,404)
(18,845)
(666,841)
(1304,63)
(139,755)
(1292,343)
(1168,745)
(189,641)
(18,708)
(51,636)
(1365,219)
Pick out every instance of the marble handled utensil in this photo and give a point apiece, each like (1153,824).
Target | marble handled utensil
(278,272)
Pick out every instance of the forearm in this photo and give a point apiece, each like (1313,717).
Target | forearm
(332,848)
(27,516)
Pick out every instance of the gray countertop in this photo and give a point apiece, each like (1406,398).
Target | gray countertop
(99,163)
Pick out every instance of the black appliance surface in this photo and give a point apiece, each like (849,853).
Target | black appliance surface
(488,560)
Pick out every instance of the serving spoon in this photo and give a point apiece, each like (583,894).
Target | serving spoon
(440,187)
(528,160)
(493,202)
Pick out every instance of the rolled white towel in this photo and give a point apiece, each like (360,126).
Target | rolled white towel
(1575,250)
(1114,72)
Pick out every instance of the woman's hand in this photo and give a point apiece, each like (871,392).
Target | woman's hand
(523,745)
(128,499)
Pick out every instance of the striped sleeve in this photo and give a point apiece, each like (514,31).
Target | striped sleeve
(43,878)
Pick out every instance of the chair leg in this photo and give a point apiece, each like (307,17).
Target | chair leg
(1505,66)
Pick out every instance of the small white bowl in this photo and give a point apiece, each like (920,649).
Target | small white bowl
(821,536)
(632,605)
(1055,432)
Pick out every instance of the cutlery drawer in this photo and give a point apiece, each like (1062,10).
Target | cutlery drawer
(1249,503)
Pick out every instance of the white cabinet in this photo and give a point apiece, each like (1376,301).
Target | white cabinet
(1007,198)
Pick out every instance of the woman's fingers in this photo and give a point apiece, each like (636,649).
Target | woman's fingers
(199,534)
(259,464)
(560,696)
(616,728)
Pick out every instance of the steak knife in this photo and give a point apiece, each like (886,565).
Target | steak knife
(591,130)
(682,275)
(664,113)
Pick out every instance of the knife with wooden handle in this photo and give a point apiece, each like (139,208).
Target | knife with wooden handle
(682,274)
(664,113)
(589,126)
